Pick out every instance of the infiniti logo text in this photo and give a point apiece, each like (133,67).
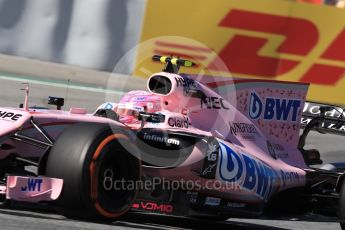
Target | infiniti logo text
(161,139)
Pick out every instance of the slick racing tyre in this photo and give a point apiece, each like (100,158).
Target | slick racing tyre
(91,158)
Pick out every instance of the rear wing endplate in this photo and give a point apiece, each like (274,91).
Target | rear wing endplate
(333,120)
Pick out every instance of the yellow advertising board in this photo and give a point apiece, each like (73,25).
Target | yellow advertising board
(270,39)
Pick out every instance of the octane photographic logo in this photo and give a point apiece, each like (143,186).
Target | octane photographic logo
(209,106)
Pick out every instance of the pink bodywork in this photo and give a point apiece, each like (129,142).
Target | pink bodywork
(230,105)
(289,165)
(32,189)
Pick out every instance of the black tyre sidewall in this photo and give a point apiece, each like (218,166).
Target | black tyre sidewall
(70,160)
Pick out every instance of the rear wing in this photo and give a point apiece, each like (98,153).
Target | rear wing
(274,107)
(333,117)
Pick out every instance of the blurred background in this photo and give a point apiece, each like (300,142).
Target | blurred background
(82,41)
(92,51)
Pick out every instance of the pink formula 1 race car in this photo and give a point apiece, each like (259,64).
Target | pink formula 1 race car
(202,147)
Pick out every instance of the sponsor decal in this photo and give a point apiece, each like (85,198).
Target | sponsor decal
(193,197)
(138,93)
(158,138)
(185,82)
(190,87)
(139,99)
(153,123)
(337,126)
(213,103)
(9,116)
(314,109)
(235,205)
(33,184)
(246,131)
(210,162)
(250,173)
(289,177)
(212,201)
(139,108)
(178,122)
(276,150)
(209,169)
(271,150)
(212,149)
(273,108)
(153,207)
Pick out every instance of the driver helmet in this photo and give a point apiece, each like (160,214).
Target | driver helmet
(135,102)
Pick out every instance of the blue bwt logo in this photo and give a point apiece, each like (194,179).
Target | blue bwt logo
(249,173)
(33,184)
(273,108)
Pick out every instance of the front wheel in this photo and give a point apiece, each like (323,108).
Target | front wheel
(98,165)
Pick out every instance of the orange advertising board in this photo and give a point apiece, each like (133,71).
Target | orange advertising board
(269,39)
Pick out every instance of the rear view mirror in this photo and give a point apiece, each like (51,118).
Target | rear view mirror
(151,117)
(58,101)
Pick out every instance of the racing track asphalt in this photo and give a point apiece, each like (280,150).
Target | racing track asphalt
(33,219)
(82,95)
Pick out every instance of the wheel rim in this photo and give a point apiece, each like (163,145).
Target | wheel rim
(111,166)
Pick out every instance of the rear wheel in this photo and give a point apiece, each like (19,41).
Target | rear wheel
(342,206)
(97,164)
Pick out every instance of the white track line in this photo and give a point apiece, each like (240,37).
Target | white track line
(60,85)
